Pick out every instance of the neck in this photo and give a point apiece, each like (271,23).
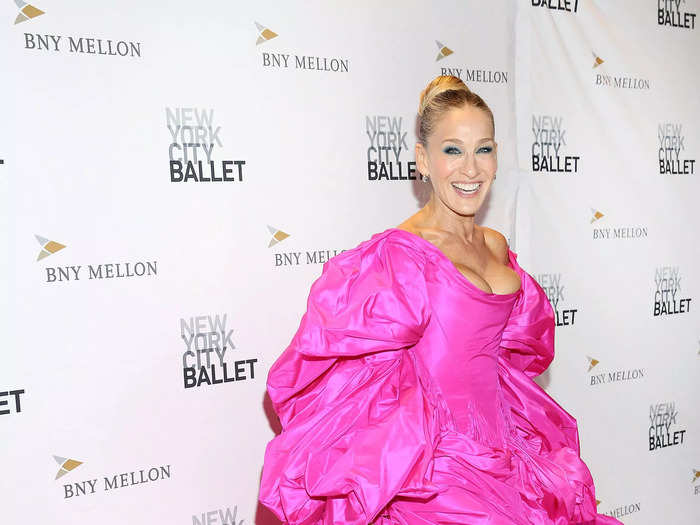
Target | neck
(438,216)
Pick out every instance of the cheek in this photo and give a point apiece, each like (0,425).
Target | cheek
(446,165)
(488,164)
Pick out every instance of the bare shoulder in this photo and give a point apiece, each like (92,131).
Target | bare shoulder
(497,243)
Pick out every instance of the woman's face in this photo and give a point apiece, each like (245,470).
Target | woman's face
(460,157)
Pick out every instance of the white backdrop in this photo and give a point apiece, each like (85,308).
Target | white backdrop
(145,280)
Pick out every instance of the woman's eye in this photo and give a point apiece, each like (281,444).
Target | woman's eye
(451,150)
(485,149)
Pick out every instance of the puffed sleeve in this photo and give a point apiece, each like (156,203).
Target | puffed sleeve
(527,349)
(359,426)
(529,335)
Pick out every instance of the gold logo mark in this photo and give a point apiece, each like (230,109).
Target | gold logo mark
(596,215)
(26,11)
(444,51)
(277,236)
(66,465)
(591,363)
(696,475)
(264,34)
(597,61)
(47,247)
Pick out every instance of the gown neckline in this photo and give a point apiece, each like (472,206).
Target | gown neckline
(460,276)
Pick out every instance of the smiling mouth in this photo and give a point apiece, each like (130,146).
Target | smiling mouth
(466,188)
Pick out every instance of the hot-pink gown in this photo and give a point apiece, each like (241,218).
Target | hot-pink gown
(406,397)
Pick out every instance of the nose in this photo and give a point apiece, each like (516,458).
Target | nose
(469,166)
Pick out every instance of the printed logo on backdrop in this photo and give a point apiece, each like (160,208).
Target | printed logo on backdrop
(670,14)
(223,516)
(388,155)
(195,148)
(623,510)
(616,231)
(47,247)
(671,144)
(11,401)
(65,465)
(72,44)
(602,376)
(550,151)
(109,482)
(297,61)
(696,485)
(667,299)
(469,75)
(664,426)
(298,258)
(208,358)
(108,270)
(607,79)
(570,6)
(553,286)
(26,12)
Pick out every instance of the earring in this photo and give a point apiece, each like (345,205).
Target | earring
(425,178)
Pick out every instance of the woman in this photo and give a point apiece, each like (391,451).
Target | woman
(406,396)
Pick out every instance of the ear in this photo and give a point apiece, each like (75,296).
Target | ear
(422,159)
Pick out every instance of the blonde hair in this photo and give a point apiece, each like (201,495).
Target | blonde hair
(439,96)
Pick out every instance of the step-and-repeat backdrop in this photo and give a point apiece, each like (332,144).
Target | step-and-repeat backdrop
(174,175)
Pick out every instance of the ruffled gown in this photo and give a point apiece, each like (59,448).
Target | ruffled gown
(406,397)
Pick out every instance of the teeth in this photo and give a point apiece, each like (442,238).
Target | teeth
(467,187)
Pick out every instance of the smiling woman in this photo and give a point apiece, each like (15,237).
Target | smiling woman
(407,394)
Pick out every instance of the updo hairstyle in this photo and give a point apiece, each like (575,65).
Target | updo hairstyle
(441,95)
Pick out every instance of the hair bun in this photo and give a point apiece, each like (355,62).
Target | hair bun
(443,93)
(437,86)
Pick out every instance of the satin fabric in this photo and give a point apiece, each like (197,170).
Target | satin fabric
(406,397)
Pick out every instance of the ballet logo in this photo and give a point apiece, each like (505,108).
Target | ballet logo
(10,401)
(194,148)
(669,14)
(270,60)
(602,376)
(552,285)
(601,79)
(671,144)
(208,349)
(614,232)
(224,516)
(548,155)
(664,428)
(570,6)
(667,300)
(108,483)
(623,510)
(470,75)
(387,150)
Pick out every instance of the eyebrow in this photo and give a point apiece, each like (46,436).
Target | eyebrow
(485,139)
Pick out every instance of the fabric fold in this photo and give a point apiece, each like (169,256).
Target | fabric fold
(359,428)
